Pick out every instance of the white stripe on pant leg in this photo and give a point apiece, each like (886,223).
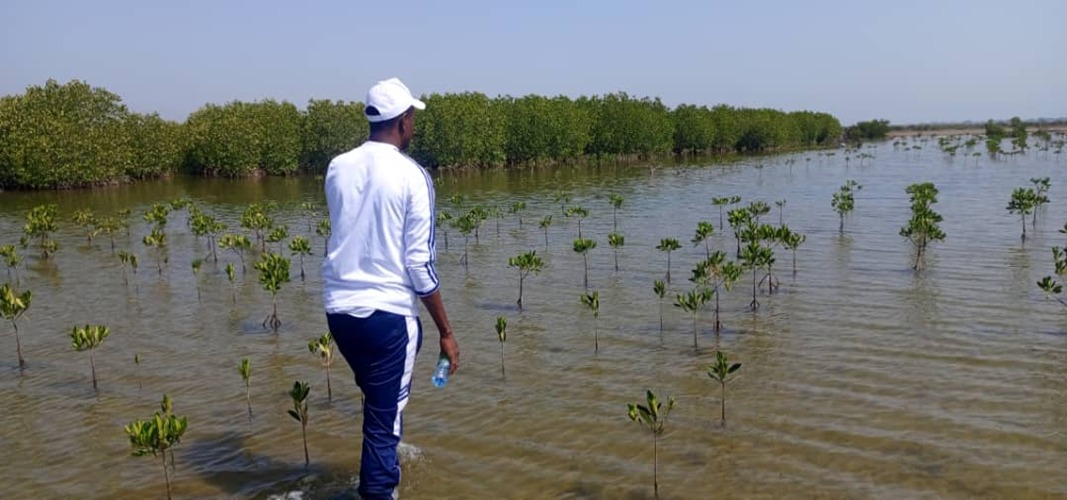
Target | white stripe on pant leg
(409,367)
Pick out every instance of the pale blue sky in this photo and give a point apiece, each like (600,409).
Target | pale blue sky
(907,61)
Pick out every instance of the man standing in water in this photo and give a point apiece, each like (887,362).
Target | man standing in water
(381,257)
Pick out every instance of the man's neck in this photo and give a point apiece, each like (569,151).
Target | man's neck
(386,138)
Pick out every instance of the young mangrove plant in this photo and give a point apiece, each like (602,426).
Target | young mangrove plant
(238,243)
(660,289)
(616,241)
(137,369)
(157,215)
(502,336)
(12,306)
(1023,202)
(668,245)
(526,263)
(758,209)
(738,219)
(718,274)
(477,216)
(88,338)
(273,273)
(691,303)
(653,416)
(516,210)
(206,225)
(323,348)
(578,213)
(300,246)
(127,259)
(230,272)
(123,216)
(12,259)
(792,240)
(592,301)
(755,257)
(616,204)
(844,201)
(583,246)
(109,226)
(196,264)
(256,218)
(781,211)
(546,221)
(244,368)
(465,225)
(703,233)
(441,222)
(158,435)
(720,371)
(721,203)
(923,227)
(299,395)
(40,224)
(324,231)
(309,210)
(1041,187)
(563,198)
(278,234)
(157,239)
(86,220)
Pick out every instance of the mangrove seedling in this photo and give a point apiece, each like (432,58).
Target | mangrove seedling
(324,230)
(323,348)
(196,264)
(273,273)
(738,219)
(1052,288)
(109,226)
(123,216)
(563,198)
(703,232)
(592,301)
(652,415)
(583,246)
(668,245)
(516,210)
(545,222)
(127,259)
(84,218)
(1023,202)
(616,204)
(578,213)
(844,201)
(157,215)
(137,368)
(923,227)
(300,246)
(12,259)
(245,370)
(230,271)
(308,210)
(781,211)
(756,257)
(526,263)
(616,241)
(691,303)
(238,243)
(720,372)
(792,240)
(720,202)
(88,338)
(256,219)
(661,291)
(278,234)
(465,225)
(13,306)
(158,435)
(758,209)
(299,412)
(157,239)
(502,335)
(206,225)
(40,224)
(1041,187)
(441,221)
(477,216)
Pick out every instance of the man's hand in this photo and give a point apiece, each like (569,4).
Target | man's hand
(450,349)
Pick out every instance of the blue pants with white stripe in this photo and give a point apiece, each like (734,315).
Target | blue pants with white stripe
(381,350)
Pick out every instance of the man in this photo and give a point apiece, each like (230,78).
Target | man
(381,257)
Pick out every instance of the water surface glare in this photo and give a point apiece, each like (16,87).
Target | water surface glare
(860,378)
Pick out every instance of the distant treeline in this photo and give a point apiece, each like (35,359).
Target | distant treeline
(1040,123)
(73,134)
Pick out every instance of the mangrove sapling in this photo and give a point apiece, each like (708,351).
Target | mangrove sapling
(308,209)
(244,368)
(583,246)
(1051,287)
(278,234)
(653,416)
(323,348)
(137,369)
(127,259)
(1041,187)
(738,219)
(502,335)
(578,213)
(756,257)
(545,222)
(720,372)
(465,225)
(496,213)
(616,241)
(157,436)
(477,216)
(84,218)
(109,226)
(123,216)
(563,199)
(527,263)
(12,259)
(300,246)
(726,273)
(703,233)
(238,243)
(781,209)
(441,221)
(157,215)
(196,265)
(516,210)
(844,201)
(691,303)
(40,224)
(758,209)
(299,412)
(230,272)
(720,202)
(668,245)
(923,227)
(792,240)
(273,273)
(324,231)
(1023,202)
(616,204)
(661,291)
(157,239)
(206,225)
(13,306)
(592,301)
(256,219)
(88,338)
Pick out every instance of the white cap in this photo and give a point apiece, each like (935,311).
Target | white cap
(391,98)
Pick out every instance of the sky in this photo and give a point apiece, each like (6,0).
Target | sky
(907,61)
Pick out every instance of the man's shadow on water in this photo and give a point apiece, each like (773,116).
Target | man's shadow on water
(228,463)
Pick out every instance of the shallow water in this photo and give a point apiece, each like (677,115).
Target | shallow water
(860,378)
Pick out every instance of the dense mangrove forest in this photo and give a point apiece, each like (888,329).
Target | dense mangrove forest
(57,135)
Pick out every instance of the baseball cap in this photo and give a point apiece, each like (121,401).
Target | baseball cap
(390,98)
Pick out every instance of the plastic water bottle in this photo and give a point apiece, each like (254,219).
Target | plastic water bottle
(440,374)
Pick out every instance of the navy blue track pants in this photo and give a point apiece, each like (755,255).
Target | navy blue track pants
(381,350)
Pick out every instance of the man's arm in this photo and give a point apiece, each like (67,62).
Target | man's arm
(449,346)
